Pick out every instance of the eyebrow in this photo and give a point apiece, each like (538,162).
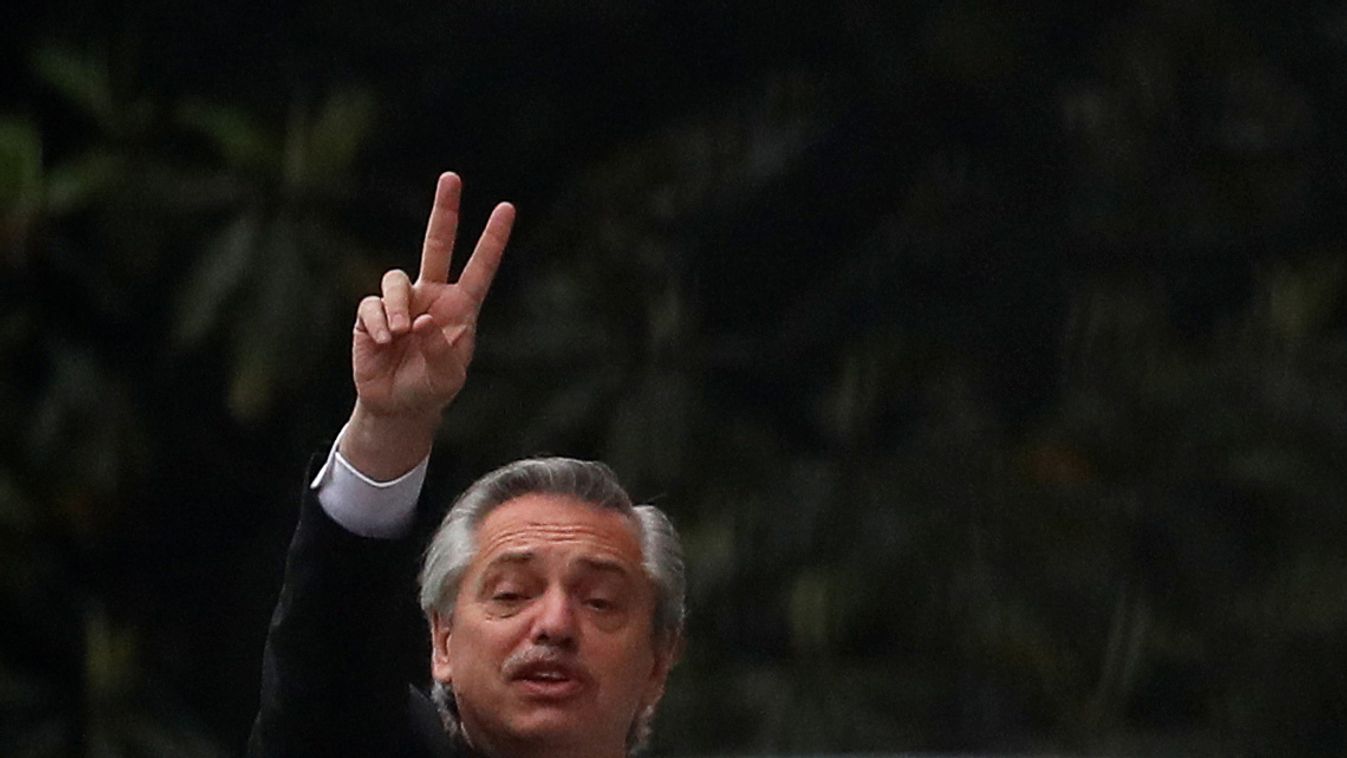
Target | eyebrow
(521,557)
(512,556)
(603,565)
(491,571)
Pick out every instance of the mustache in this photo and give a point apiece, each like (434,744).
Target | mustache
(539,655)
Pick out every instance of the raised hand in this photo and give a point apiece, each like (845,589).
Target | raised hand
(413,343)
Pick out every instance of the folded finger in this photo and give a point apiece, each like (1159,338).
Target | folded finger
(397,298)
(371,319)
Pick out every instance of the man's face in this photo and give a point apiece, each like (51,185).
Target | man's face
(551,641)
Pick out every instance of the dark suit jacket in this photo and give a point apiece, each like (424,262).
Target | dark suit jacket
(332,683)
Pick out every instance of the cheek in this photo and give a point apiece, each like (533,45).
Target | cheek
(614,624)
(629,660)
(482,645)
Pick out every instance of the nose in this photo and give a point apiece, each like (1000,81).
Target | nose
(555,622)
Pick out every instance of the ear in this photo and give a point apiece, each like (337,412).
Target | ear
(440,668)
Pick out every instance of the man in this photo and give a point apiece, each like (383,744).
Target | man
(555,606)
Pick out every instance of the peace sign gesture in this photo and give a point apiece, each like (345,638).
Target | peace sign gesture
(412,344)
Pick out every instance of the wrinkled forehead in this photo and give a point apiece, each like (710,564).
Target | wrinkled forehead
(558,527)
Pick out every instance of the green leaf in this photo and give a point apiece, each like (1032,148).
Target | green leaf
(81,79)
(810,611)
(252,381)
(263,338)
(240,139)
(340,129)
(73,183)
(17,511)
(20,165)
(221,271)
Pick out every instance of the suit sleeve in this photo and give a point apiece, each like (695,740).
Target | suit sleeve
(334,679)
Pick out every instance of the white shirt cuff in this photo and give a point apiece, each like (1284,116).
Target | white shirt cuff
(362,506)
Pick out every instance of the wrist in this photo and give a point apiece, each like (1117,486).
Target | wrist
(384,447)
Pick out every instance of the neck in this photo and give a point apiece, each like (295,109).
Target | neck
(504,747)
(548,752)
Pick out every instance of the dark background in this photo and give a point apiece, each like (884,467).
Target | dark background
(991,356)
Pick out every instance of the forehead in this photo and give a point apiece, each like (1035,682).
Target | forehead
(557,526)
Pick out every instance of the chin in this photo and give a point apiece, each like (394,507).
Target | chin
(551,723)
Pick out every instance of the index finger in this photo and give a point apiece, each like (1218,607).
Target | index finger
(438,249)
(481,267)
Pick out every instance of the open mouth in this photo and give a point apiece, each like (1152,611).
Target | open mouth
(548,680)
(547,676)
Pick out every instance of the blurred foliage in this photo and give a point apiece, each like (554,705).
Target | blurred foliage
(992,360)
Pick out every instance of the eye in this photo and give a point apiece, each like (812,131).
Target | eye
(508,597)
(600,603)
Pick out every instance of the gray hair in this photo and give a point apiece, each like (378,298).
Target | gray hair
(454,545)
